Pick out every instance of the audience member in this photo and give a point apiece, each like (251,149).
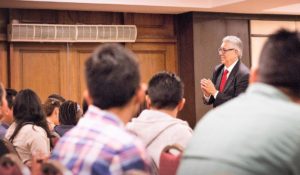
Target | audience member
(99,143)
(158,125)
(230,78)
(7,118)
(69,114)
(257,132)
(51,109)
(29,133)
(57,97)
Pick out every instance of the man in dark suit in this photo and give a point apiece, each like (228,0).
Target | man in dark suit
(230,78)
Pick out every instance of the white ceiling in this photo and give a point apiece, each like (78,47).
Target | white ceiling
(291,7)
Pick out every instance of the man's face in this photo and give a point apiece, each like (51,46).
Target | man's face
(228,54)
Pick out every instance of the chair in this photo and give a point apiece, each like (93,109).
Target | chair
(170,159)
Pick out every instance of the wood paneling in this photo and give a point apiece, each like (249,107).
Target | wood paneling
(80,53)
(3,64)
(3,24)
(34,16)
(40,67)
(49,68)
(154,58)
(186,66)
(82,17)
(152,25)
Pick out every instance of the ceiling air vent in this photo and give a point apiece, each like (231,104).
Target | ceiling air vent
(72,33)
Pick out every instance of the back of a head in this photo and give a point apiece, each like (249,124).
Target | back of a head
(27,107)
(279,62)
(10,95)
(165,90)
(112,75)
(58,97)
(68,113)
(50,104)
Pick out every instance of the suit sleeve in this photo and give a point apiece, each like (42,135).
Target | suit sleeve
(240,86)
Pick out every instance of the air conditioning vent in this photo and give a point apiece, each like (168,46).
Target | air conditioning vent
(72,33)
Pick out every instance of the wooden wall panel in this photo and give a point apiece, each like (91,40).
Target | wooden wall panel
(3,64)
(154,58)
(40,68)
(3,24)
(80,53)
(34,16)
(152,26)
(83,17)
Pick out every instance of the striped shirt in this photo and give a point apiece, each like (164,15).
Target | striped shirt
(100,144)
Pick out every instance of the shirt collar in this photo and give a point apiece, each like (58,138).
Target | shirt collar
(95,112)
(229,69)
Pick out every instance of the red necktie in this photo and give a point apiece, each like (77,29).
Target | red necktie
(223,80)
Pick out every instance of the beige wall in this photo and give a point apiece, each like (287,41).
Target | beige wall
(260,30)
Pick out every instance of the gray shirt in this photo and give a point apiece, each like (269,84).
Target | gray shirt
(256,133)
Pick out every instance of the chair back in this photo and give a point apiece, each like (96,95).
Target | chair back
(170,159)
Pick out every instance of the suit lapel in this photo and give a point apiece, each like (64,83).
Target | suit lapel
(219,77)
(231,76)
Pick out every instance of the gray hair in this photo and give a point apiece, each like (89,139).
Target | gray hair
(236,42)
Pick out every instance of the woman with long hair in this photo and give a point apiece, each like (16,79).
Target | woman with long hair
(30,133)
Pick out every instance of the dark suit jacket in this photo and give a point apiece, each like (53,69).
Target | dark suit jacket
(236,83)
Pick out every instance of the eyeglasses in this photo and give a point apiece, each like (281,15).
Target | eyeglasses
(222,50)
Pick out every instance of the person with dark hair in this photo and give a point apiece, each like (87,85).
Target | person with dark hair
(99,143)
(51,109)
(69,114)
(158,125)
(7,118)
(230,78)
(29,133)
(58,97)
(257,132)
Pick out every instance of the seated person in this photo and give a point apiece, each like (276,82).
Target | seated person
(69,114)
(7,117)
(51,109)
(99,143)
(158,126)
(30,133)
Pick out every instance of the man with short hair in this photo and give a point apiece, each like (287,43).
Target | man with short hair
(99,143)
(230,78)
(7,118)
(257,132)
(158,126)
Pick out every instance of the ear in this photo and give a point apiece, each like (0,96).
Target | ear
(253,75)
(148,102)
(87,97)
(181,104)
